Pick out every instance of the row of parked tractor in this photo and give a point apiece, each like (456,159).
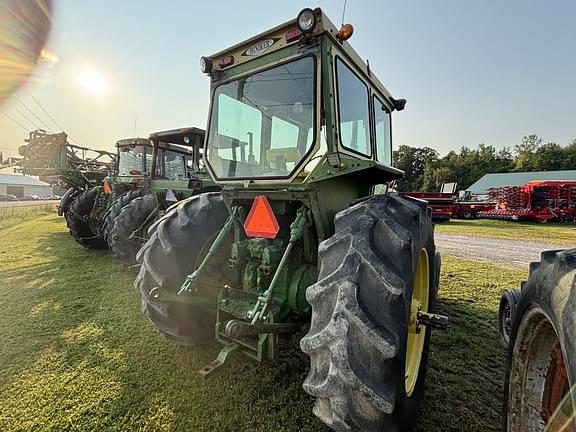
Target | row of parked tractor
(148,176)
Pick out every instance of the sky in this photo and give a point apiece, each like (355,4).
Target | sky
(484,71)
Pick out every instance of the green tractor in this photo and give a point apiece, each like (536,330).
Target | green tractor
(305,234)
(89,209)
(177,172)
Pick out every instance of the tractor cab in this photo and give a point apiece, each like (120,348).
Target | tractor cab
(296,105)
(177,153)
(178,160)
(296,109)
(134,157)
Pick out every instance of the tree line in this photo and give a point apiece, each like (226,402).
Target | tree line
(426,170)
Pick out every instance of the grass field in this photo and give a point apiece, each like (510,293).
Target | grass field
(557,233)
(10,216)
(77,354)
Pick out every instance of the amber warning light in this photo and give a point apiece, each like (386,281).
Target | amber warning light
(261,221)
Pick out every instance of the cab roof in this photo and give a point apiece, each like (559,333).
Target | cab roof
(280,38)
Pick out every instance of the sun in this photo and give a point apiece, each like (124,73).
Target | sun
(92,82)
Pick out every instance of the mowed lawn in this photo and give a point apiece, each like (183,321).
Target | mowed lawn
(552,232)
(76,353)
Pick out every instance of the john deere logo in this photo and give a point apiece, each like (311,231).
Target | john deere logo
(260,47)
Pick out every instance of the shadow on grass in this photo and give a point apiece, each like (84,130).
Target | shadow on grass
(80,354)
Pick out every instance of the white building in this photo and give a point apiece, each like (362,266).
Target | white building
(21,185)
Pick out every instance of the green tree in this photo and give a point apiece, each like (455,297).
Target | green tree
(525,153)
(569,161)
(413,161)
(550,157)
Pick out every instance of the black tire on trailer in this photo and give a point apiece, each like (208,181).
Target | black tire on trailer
(176,247)
(506,311)
(382,250)
(467,214)
(79,223)
(116,207)
(132,216)
(542,356)
(67,200)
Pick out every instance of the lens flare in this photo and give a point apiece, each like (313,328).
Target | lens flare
(92,82)
(47,57)
(24,29)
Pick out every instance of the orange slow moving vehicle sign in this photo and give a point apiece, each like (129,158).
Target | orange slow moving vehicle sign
(261,221)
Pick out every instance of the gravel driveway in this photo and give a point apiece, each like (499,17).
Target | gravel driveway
(505,252)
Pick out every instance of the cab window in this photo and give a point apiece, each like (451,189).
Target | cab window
(354,121)
(382,132)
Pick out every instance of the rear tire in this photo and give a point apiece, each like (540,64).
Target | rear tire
(80,222)
(173,251)
(506,311)
(128,221)
(361,306)
(542,359)
(116,207)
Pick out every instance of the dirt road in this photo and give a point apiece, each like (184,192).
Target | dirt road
(505,252)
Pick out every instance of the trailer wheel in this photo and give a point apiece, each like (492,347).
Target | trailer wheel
(506,311)
(81,219)
(467,214)
(131,217)
(116,207)
(174,250)
(67,200)
(541,372)
(367,363)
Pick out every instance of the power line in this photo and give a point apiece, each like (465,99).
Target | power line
(34,125)
(15,121)
(33,114)
(75,141)
(45,112)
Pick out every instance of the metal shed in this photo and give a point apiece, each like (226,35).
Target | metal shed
(21,185)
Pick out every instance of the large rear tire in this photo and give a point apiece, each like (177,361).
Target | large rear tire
(128,221)
(80,220)
(173,251)
(366,373)
(542,356)
(116,207)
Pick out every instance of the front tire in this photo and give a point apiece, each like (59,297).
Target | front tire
(67,200)
(360,372)
(173,251)
(506,311)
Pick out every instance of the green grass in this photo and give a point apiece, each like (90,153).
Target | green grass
(558,233)
(10,216)
(77,354)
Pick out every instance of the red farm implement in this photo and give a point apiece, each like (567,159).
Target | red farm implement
(442,204)
(541,201)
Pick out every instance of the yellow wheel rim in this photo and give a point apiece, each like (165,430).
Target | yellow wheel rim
(417,333)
